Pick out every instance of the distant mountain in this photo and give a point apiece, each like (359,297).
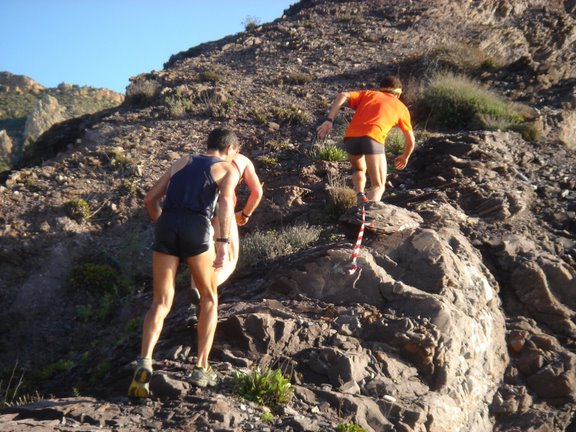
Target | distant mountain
(28,109)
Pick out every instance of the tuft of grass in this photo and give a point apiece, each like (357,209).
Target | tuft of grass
(329,152)
(79,210)
(292,114)
(350,427)
(270,161)
(268,387)
(210,76)
(457,102)
(268,245)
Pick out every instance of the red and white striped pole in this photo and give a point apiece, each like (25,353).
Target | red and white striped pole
(356,249)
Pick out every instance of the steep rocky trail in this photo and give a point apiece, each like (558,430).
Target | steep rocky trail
(462,316)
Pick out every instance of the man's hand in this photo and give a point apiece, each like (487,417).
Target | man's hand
(221,255)
(241,219)
(401,162)
(324,129)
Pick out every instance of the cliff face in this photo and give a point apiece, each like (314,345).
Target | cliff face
(28,109)
(461,316)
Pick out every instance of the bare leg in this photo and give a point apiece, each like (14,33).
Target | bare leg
(376,164)
(205,280)
(223,273)
(359,176)
(163,272)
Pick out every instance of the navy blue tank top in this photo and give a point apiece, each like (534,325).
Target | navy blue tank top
(193,187)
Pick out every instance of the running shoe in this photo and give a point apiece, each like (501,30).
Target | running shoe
(140,387)
(204,377)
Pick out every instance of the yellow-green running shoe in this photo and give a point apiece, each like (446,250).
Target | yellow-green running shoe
(204,377)
(139,387)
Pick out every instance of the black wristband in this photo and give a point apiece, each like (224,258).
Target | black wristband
(244,215)
(328,119)
(223,240)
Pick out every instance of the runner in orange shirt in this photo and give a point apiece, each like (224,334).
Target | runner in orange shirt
(377,112)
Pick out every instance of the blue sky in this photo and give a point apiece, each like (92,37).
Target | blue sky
(102,43)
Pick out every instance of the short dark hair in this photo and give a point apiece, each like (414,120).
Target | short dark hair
(391,81)
(220,139)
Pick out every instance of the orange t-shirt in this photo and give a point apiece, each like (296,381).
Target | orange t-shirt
(376,113)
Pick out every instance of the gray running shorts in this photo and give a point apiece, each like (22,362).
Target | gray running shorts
(363,145)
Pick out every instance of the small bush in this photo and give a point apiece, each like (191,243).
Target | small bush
(456,102)
(291,114)
(329,152)
(297,78)
(267,245)
(268,387)
(395,141)
(251,22)
(53,369)
(260,116)
(79,210)
(142,92)
(95,278)
(350,427)
(210,76)
(270,161)
(103,309)
(178,106)
(340,197)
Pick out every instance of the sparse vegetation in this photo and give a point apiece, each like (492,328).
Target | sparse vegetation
(267,245)
(297,78)
(142,92)
(350,427)
(268,387)
(259,115)
(251,22)
(328,152)
(79,210)
(457,102)
(340,197)
(95,278)
(291,114)
(395,142)
(210,76)
(269,161)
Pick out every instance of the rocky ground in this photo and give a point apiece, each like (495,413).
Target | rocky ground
(461,316)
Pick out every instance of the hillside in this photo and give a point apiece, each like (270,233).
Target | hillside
(462,316)
(27,109)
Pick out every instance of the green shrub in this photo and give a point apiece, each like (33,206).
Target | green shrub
(395,142)
(291,114)
(457,102)
(267,417)
(350,427)
(260,116)
(79,210)
(100,310)
(95,278)
(178,106)
(329,152)
(267,245)
(270,161)
(268,387)
(53,369)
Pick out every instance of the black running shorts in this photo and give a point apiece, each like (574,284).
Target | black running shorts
(363,145)
(182,233)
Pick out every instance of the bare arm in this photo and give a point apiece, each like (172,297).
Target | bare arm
(402,160)
(256,193)
(326,127)
(225,212)
(155,195)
